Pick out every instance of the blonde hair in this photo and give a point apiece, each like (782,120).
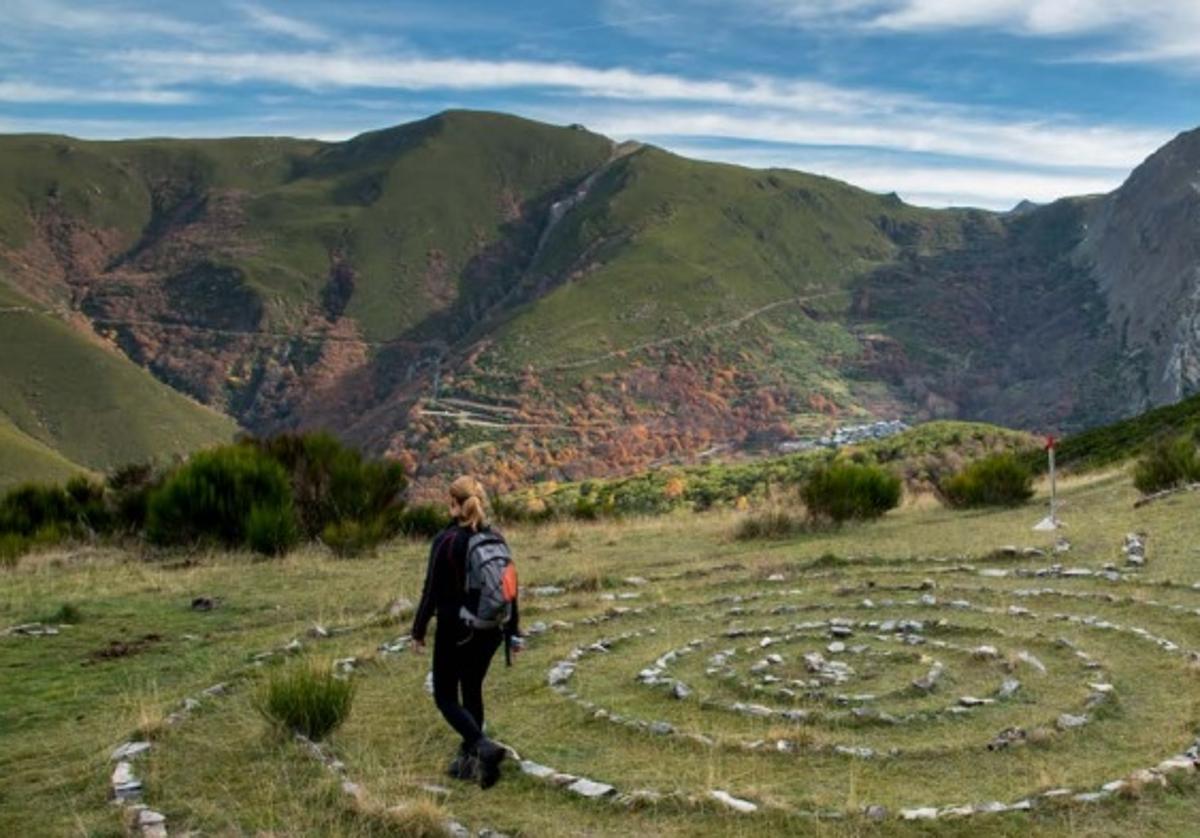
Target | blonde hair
(472,501)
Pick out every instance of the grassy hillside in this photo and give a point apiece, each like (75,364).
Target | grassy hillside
(478,291)
(1113,443)
(24,458)
(137,650)
(65,400)
(675,244)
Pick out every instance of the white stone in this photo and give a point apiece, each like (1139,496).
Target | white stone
(1068,721)
(1058,793)
(123,774)
(590,788)
(129,750)
(1025,657)
(1176,765)
(972,701)
(537,770)
(559,674)
(149,817)
(923,813)
(735,803)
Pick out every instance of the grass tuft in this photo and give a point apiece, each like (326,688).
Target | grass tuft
(306,698)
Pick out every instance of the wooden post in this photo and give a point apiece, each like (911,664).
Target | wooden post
(1053,487)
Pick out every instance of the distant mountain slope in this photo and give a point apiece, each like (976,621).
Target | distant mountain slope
(23,458)
(477,291)
(68,404)
(1143,249)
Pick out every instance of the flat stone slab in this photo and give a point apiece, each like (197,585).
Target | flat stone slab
(590,788)
(734,803)
(536,769)
(1068,721)
(129,750)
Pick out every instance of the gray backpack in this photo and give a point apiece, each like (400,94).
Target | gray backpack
(490,583)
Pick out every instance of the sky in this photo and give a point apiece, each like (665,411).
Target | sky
(945,102)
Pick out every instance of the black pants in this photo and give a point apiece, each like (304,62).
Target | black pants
(460,660)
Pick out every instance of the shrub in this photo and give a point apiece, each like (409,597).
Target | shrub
(847,491)
(212,496)
(423,520)
(1168,463)
(12,547)
(773,523)
(353,538)
(271,530)
(51,512)
(129,495)
(30,507)
(997,480)
(306,698)
(66,614)
(333,483)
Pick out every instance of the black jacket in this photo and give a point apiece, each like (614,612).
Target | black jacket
(442,595)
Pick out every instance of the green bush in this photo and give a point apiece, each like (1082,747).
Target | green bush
(212,497)
(12,547)
(768,524)
(66,614)
(996,480)
(1168,463)
(55,512)
(333,483)
(848,491)
(423,520)
(129,490)
(30,507)
(306,698)
(353,538)
(271,530)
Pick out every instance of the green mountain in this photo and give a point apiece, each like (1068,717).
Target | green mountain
(477,291)
(69,405)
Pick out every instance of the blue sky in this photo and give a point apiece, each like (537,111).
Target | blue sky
(979,102)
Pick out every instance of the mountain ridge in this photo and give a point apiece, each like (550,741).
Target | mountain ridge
(599,308)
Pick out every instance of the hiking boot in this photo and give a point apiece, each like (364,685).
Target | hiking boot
(464,766)
(489,755)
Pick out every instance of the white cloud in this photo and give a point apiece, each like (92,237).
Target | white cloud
(760,108)
(1133,31)
(1010,141)
(1035,17)
(34,93)
(990,188)
(94,18)
(268,21)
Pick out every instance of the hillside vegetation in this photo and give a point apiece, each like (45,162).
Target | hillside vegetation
(478,292)
(68,403)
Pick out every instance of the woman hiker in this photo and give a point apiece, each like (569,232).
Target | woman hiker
(463,643)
